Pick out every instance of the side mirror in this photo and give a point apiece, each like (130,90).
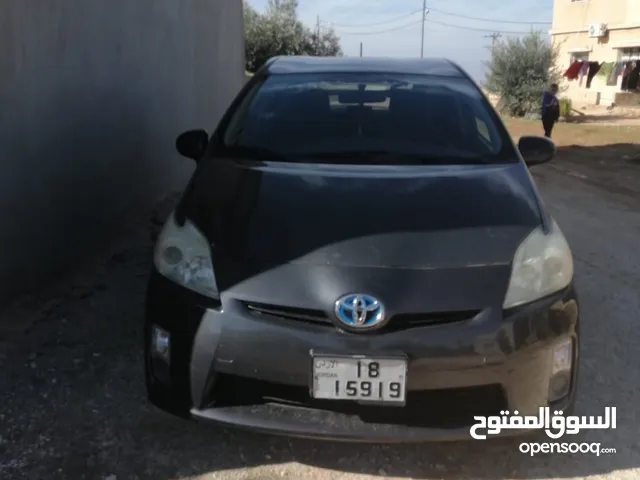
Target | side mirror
(536,150)
(192,144)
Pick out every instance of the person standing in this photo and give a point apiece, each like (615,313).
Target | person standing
(550,111)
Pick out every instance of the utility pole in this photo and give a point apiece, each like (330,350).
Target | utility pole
(424,14)
(317,34)
(361,49)
(494,38)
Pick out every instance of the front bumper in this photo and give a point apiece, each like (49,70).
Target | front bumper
(239,369)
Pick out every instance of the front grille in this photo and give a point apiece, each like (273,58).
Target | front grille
(398,322)
(289,313)
(446,408)
(403,321)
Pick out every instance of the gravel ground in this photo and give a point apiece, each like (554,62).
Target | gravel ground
(73,404)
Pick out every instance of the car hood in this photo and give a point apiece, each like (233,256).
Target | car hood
(282,230)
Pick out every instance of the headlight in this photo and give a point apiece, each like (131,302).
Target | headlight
(183,254)
(542,265)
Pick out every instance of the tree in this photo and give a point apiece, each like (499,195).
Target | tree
(278,31)
(520,70)
(326,45)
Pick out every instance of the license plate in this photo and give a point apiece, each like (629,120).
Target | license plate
(364,379)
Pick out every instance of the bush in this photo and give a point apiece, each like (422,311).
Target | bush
(520,70)
(565,107)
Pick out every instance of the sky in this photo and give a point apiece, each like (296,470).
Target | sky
(392,28)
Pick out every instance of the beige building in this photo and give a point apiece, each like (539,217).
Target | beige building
(596,30)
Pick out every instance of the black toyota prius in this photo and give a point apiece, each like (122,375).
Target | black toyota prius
(361,254)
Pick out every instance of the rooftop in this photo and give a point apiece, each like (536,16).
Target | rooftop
(424,66)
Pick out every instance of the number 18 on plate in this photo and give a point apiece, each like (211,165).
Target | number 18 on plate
(380,380)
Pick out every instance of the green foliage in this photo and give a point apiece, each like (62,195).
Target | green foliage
(278,31)
(565,107)
(520,70)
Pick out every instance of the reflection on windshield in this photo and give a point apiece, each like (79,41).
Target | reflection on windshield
(399,157)
(368,118)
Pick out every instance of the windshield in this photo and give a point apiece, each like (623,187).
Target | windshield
(378,118)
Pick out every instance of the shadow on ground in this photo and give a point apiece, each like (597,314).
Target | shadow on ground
(618,155)
(614,167)
(74,406)
(581,117)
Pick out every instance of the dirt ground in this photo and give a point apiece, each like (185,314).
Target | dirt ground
(605,115)
(72,402)
(587,135)
(607,155)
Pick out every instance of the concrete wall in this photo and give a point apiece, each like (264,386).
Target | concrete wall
(633,11)
(574,15)
(92,96)
(571,21)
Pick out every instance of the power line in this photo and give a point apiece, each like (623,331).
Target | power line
(462,27)
(381,31)
(360,25)
(443,12)
(480,19)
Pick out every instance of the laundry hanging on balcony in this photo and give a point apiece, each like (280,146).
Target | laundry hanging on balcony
(573,70)
(594,67)
(584,70)
(616,71)
(633,79)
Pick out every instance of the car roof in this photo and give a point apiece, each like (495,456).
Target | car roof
(424,66)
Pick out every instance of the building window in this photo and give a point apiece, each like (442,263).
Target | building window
(579,57)
(628,54)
